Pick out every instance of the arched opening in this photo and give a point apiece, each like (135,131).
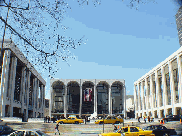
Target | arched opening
(58,97)
(88,97)
(117,97)
(73,97)
(102,98)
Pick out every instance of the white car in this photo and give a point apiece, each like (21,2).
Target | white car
(28,132)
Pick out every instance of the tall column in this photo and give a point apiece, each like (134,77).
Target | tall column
(28,90)
(4,81)
(34,96)
(172,88)
(125,114)
(12,84)
(37,96)
(139,101)
(157,91)
(23,89)
(41,92)
(95,98)
(135,101)
(180,78)
(164,87)
(65,101)
(142,91)
(51,102)
(110,100)
(152,91)
(44,100)
(147,94)
(80,111)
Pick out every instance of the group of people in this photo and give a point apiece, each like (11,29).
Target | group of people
(46,119)
(150,119)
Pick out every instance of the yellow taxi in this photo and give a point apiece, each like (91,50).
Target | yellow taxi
(109,120)
(70,120)
(129,131)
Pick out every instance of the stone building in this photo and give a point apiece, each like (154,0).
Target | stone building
(87,96)
(179,24)
(46,110)
(159,92)
(22,91)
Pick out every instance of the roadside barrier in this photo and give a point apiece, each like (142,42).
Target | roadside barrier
(160,121)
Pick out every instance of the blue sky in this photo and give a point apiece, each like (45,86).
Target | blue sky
(123,43)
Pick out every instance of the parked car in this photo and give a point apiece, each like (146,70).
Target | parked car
(28,132)
(109,120)
(129,131)
(160,130)
(70,120)
(5,130)
(172,118)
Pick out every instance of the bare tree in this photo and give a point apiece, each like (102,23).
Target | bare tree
(38,31)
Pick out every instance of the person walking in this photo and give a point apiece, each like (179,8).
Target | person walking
(44,119)
(115,127)
(57,129)
(138,119)
(85,119)
(148,119)
(144,119)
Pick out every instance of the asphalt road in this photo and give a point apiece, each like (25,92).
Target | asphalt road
(86,129)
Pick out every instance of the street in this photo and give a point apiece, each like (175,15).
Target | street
(86,129)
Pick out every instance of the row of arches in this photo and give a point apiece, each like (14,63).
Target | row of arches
(87,98)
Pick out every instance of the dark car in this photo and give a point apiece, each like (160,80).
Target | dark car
(172,118)
(160,130)
(5,130)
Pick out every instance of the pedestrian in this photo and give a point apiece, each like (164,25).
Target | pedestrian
(57,129)
(44,119)
(85,119)
(115,127)
(148,119)
(144,119)
(152,119)
(139,119)
(48,119)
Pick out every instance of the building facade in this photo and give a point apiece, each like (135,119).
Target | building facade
(159,92)
(179,24)
(130,104)
(87,96)
(22,91)
(46,110)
